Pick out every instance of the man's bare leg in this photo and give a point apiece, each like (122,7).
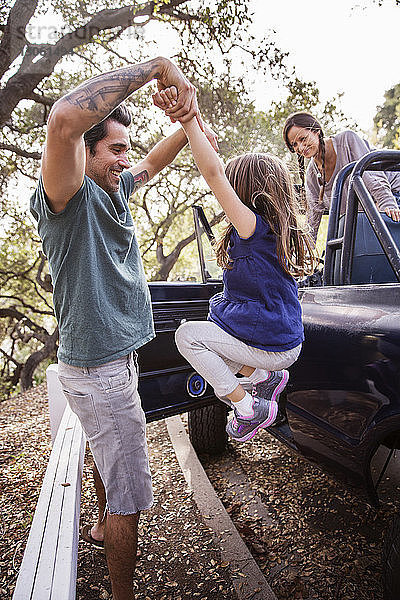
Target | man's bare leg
(97,530)
(121,534)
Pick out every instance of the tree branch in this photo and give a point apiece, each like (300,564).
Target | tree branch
(86,59)
(44,282)
(25,174)
(40,99)
(29,306)
(21,152)
(106,45)
(9,358)
(18,274)
(33,71)
(49,347)
(39,332)
(13,40)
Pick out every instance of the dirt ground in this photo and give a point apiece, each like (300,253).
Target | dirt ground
(179,556)
(319,541)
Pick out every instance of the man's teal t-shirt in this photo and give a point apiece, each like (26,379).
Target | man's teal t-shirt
(101,297)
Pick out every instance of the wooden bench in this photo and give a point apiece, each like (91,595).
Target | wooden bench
(49,565)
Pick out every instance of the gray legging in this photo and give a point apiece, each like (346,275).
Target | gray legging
(218,356)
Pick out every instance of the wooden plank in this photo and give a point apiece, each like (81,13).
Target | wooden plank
(51,527)
(38,568)
(57,399)
(26,577)
(64,580)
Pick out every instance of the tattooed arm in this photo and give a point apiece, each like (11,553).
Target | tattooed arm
(64,156)
(161,155)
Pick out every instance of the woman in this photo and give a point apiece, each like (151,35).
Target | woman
(303,135)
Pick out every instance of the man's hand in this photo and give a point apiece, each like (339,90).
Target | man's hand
(211,136)
(185,106)
(167,98)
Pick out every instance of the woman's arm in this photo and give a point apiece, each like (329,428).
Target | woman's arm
(377,183)
(212,169)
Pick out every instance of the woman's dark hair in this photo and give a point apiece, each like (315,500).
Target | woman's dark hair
(306,121)
(120,114)
(263,183)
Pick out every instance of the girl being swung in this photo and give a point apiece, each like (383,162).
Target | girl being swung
(254,326)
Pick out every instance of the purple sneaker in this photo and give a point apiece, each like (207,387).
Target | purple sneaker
(270,388)
(244,428)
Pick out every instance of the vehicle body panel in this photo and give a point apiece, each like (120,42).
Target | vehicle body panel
(343,396)
(164,373)
(344,393)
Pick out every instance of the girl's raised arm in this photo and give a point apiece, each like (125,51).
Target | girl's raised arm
(211,168)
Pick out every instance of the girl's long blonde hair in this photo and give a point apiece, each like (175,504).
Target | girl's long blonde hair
(263,183)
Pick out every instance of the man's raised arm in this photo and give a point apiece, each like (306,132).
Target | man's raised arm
(63,164)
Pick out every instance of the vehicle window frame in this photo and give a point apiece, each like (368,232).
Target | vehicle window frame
(201,225)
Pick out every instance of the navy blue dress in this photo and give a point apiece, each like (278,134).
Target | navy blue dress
(259,304)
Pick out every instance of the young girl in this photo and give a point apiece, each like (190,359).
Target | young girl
(303,134)
(254,326)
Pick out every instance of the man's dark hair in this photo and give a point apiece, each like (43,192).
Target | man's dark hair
(120,114)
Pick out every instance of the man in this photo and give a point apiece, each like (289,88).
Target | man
(101,298)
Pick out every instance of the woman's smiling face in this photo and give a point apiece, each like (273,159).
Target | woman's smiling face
(303,141)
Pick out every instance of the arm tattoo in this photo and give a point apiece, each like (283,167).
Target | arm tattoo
(140,179)
(103,93)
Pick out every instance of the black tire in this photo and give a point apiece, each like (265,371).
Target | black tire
(207,428)
(391,562)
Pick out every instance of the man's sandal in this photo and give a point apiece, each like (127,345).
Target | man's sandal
(87,537)
(99,544)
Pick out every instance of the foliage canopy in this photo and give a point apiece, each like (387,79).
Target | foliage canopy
(46,49)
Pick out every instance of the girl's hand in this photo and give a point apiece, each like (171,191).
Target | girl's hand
(393,213)
(167,98)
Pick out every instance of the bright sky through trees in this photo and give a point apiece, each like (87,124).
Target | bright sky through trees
(346,45)
(349,46)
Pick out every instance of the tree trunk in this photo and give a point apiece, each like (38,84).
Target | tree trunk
(26,378)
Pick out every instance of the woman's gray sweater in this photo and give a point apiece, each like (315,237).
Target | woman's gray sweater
(348,147)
